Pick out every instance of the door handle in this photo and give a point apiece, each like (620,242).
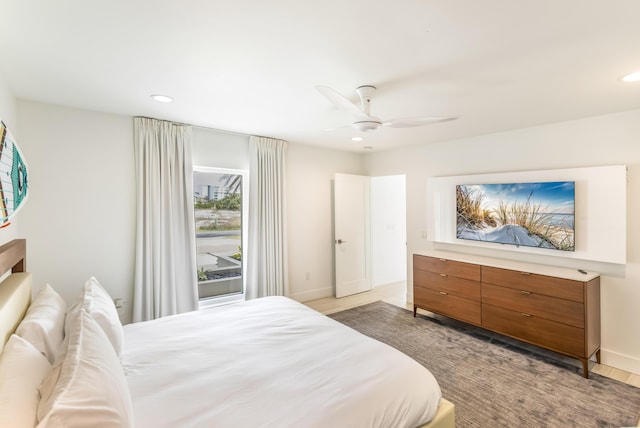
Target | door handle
(340,241)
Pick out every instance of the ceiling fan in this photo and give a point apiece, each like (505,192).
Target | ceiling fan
(364,121)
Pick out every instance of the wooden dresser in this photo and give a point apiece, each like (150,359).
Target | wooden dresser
(554,308)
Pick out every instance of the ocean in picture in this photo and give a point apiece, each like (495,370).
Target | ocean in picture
(539,214)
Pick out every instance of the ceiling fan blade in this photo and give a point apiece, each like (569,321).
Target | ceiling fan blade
(410,122)
(340,101)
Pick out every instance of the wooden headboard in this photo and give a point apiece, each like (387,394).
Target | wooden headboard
(13,255)
(15,289)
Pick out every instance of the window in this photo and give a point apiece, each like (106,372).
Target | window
(220,217)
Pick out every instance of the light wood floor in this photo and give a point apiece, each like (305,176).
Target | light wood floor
(396,295)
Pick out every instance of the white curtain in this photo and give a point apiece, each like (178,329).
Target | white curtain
(267,271)
(165,270)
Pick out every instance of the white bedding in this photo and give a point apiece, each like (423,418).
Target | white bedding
(270,362)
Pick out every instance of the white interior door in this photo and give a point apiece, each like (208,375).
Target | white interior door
(352,238)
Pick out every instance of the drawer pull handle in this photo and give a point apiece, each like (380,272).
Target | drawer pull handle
(443,293)
(525,292)
(525,273)
(443,260)
(524,314)
(444,275)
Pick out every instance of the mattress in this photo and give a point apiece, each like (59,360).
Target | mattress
(270,362)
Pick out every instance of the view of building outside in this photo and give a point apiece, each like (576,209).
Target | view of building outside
(218,219)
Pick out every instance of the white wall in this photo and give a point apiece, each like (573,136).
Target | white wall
(8,116)
(220,149)
(79,220)
(388,230)
(310,172)
(604,140)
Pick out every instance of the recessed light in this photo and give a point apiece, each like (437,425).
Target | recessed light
(632,77)
(356,139)
(162,98)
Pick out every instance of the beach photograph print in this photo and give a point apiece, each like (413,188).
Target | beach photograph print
(538,214)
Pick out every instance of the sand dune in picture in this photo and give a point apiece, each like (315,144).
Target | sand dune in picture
(507,234)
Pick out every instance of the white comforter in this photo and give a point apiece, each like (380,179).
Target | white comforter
(270,362)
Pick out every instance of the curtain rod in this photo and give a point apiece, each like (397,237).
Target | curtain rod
(230,132)
(205,127)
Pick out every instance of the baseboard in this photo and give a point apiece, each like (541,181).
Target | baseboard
(388,284)
(620,361)
(318,293)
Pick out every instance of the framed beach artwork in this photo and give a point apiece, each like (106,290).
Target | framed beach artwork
(536,214)
(13,177)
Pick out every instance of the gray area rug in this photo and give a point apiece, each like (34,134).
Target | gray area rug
(495,381)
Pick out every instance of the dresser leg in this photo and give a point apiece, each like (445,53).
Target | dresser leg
(415,309)
(598,356)
(585,367)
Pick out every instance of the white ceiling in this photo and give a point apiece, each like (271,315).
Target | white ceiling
(251,66)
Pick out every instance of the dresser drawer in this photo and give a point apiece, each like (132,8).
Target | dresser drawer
(451,284)
(539,331)
(560,310)
(447,304)
(539,284)
(447,267)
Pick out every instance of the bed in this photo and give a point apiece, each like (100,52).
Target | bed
(268,362)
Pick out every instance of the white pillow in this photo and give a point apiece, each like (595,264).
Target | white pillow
(88,387)
(99,304)
(22,370)
(43,324)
